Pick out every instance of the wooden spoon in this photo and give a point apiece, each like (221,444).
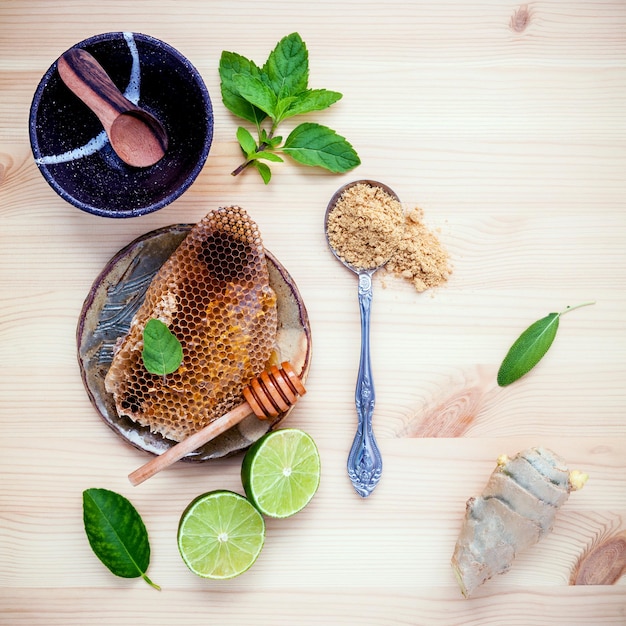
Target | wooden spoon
(137,137)
(268,395)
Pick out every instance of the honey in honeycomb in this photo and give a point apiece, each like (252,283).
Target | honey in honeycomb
(214,295)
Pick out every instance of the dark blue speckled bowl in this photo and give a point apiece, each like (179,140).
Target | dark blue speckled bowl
(71,149)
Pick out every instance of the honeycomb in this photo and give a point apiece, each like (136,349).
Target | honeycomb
(214,295)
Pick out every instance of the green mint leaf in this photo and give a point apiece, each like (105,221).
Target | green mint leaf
(282,106)
(264,170)
(256,92)
(530,347)
(162,353)
(269,156)
(316,145)
(233,64)
(116,533)
(312,100)
(246,141)
(287,66)
(270,142)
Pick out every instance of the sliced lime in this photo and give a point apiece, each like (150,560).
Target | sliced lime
(220,535)
(281,472)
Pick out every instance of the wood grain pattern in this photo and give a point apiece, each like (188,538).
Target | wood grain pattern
(602,564)
(506,123)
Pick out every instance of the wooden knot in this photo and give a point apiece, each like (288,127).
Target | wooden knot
(602,565)
(520,19)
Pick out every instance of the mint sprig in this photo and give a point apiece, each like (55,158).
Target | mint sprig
(267,96)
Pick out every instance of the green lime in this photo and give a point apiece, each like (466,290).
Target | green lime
(281,472)
(220,534)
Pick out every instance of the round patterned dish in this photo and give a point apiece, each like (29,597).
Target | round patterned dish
(108,310)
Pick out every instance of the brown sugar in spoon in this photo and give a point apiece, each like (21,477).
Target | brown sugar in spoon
(268,395)
(137,137)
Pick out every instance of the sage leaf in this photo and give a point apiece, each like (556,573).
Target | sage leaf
(317,145)
(287,66)
(116,533)
(530,347)
(162,352)
(233,64)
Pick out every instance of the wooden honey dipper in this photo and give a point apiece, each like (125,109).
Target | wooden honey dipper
(268,395)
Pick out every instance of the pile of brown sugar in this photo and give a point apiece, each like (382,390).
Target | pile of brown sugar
(368,226)
(420,257)
(365,226)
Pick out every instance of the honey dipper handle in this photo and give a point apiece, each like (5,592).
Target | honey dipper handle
(193,442)
(271,393)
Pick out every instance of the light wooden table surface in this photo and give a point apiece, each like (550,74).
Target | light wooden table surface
(507,125)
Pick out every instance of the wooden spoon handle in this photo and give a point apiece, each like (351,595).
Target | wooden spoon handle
(268,395)
(86,78)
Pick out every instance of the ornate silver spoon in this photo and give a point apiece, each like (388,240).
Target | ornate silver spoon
(365,463)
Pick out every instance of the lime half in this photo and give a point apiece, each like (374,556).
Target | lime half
(220,535)
(281,472)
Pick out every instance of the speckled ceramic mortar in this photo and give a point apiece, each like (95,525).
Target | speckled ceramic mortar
(74,154)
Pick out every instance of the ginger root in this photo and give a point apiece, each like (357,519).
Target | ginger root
(516,509)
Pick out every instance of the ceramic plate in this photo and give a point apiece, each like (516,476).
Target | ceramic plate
(108,310)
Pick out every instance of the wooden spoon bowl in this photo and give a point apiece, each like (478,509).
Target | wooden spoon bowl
(137,137)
